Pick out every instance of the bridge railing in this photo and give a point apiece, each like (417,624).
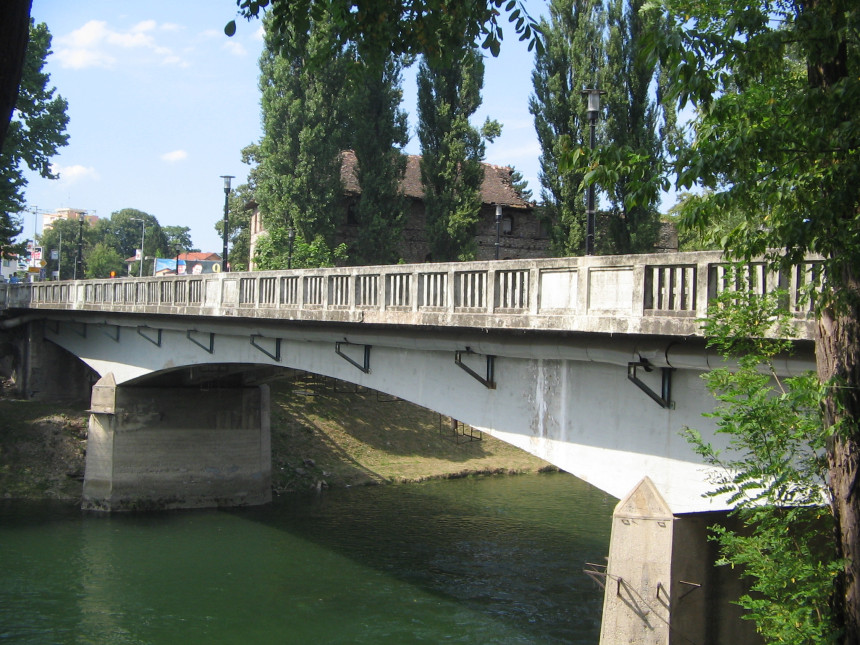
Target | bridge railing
(645,294)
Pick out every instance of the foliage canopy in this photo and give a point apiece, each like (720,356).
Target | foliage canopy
(774,471)
(36,132)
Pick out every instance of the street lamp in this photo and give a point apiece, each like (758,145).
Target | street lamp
(224,265)
(291,236)
(592,112)
(142,239)
(60,258)
(79,261)
(178,247)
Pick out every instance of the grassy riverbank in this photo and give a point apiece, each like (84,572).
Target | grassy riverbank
(324,434)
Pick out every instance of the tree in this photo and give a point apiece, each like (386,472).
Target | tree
(521,186)
(34,135)
(775,134)
(62,237)
(434,28)
(118,236)
(273,252)
(774,467)
(451,152)
(123,231)
(636,120)
(594,44)
(179,236)
(570,59)
(102,261)
(378,136)
(298,177)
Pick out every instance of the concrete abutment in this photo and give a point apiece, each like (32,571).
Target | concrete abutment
(164,448)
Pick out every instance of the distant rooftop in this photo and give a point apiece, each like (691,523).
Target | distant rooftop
(497,187)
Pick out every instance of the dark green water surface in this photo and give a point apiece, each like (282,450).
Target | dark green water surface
(482,560)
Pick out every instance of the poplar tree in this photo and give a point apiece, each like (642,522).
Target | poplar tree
(572,58)
(298,178)
(636,121)
(451,152)
(378,136)
(597,44)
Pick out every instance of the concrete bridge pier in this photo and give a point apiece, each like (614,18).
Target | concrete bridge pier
(152,448)
(38,370)
(662,584)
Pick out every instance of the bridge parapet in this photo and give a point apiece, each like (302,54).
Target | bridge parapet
(664,294)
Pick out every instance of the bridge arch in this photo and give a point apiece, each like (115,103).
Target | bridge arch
(561,397)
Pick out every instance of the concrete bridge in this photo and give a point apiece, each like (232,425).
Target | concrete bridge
(593,364)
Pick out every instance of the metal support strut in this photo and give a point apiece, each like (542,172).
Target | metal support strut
(210,348)
(364,368)
(488,382)
(275,356)
(664,399)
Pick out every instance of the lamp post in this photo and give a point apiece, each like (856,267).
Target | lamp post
(291,236)
(142,240)
(226,232)
(79,261)
(592,111)
(178,251)
(498,228)
(60,258)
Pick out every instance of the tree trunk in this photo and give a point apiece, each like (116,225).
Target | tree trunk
(14,34)
(838,359)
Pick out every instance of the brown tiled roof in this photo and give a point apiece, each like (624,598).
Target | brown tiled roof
(496,188)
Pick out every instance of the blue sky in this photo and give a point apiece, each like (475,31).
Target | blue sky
(161,103)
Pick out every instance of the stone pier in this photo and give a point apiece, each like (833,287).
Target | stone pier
(162,448)
(662,584)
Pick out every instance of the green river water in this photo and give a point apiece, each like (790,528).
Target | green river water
(477,560)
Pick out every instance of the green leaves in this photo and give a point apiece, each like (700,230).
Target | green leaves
(36,133)
(773,470)
(384,27)
(452,151)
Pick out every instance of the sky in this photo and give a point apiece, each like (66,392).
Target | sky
(161,104)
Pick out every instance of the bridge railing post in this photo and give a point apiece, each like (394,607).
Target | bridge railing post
(534,290)
(638,304)
(703,279)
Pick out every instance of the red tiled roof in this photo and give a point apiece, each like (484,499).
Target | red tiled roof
(496,188)
(190,257)
(200,257)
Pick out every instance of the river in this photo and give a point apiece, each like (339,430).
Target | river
(475,560)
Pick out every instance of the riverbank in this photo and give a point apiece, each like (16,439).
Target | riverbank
(325,433)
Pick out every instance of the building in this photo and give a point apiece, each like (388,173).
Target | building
(75,214)
(520,233)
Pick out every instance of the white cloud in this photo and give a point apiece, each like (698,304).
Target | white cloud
(144,25)
(73,174)
(235,48)
(174,156)
(96,45)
